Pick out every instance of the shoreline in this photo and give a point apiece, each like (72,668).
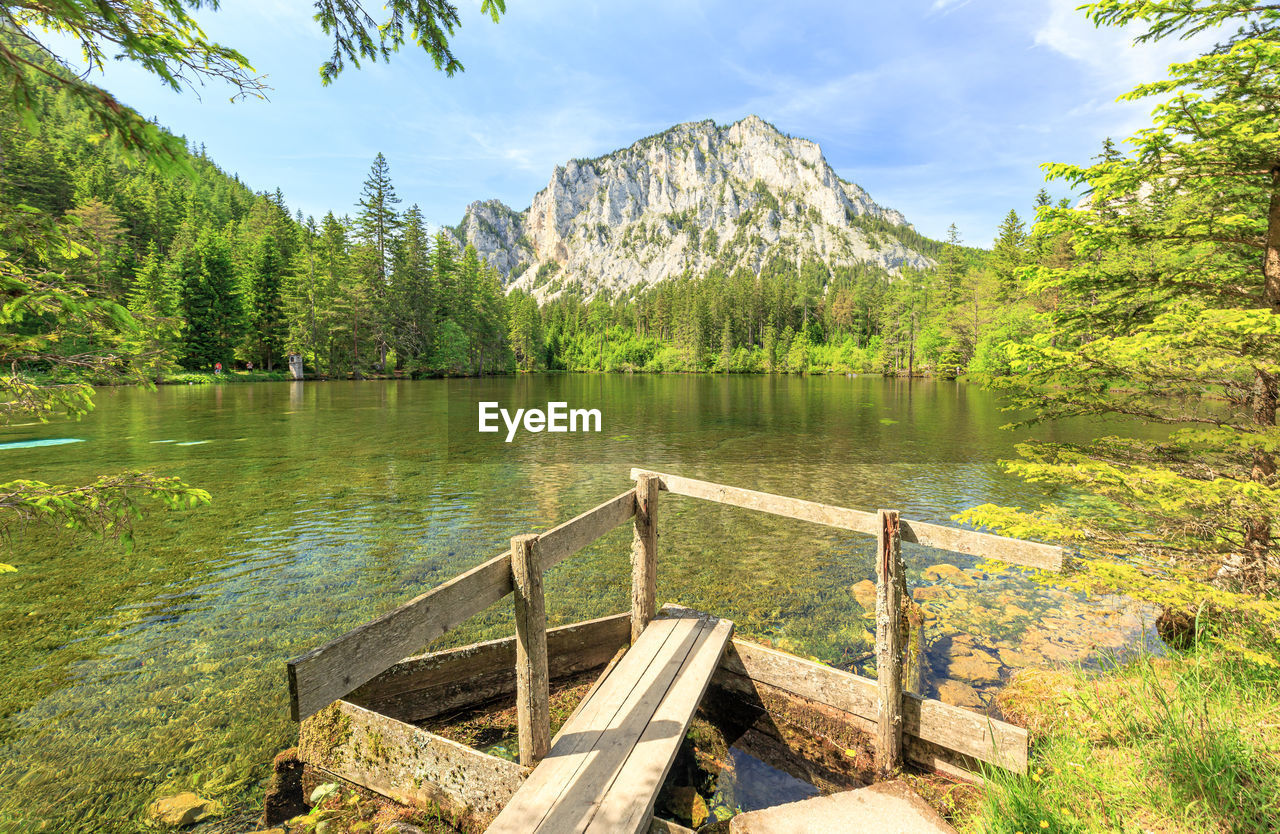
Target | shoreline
(242,377)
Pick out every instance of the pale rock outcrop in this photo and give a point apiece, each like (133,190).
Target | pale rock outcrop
(694,196)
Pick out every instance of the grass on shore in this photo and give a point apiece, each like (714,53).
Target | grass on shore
(1186,743)
(208,377)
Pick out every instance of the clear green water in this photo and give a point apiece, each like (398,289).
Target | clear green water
(126,675)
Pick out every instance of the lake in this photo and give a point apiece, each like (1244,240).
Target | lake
(125,675)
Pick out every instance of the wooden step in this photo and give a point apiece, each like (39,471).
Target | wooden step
(609,760)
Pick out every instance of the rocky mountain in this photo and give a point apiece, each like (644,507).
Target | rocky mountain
(690,198)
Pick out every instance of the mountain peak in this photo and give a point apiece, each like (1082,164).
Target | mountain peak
(685,200)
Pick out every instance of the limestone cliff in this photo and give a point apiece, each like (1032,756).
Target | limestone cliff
(695,196)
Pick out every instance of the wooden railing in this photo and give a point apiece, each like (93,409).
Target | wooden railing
(890,531)
(332,671)
(320,677)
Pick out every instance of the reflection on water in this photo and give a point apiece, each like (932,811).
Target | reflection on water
(128,674)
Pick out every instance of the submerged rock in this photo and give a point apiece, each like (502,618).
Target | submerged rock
(181,810)
(931,593)
(948,573)
(958,694)
(1015,659)
(865,593)
(969,663)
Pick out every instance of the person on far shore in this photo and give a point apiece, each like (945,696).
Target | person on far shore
(217,367)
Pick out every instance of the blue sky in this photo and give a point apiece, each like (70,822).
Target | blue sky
(943,109)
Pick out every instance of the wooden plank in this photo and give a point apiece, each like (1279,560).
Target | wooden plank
(958,730)
(563,541)
(574,741)
(427,685)
(405,763)
(891,584)
(844,519)
(599,681)
(323,675)
(579,796)
(966,732)
(644,555)
(623,807)
(626,734)
(843,690)
(533,693)
(982,545)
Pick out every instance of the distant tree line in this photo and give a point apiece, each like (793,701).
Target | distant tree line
(219,274)
(801,317)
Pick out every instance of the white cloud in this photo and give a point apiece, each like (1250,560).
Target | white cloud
(945,5)
(1109,52)
(843,100)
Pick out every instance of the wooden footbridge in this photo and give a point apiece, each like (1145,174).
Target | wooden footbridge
(358,697)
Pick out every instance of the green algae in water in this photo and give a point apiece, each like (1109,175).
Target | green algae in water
(125,675)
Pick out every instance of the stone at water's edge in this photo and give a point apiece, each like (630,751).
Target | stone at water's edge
(884,808)
(181,810)
(686,803)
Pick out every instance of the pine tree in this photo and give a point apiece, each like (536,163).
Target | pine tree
(154,292)
(770,347)
(444,267)
(412,300)
(465,291)
(302,297)
(951,268)
(377,227)
(267,302)
(1169,312)
(378,222)
(526,330)
(1008,254)
(211,304)
(154,302)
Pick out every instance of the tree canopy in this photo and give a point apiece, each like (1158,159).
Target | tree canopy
(1167,310)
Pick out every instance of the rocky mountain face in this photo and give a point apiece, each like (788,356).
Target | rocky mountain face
(690,198)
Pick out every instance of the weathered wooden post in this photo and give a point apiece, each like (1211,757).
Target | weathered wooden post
(890,589)
(644,555)
(533,708)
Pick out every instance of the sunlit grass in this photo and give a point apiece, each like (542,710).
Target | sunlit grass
(1189,743)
